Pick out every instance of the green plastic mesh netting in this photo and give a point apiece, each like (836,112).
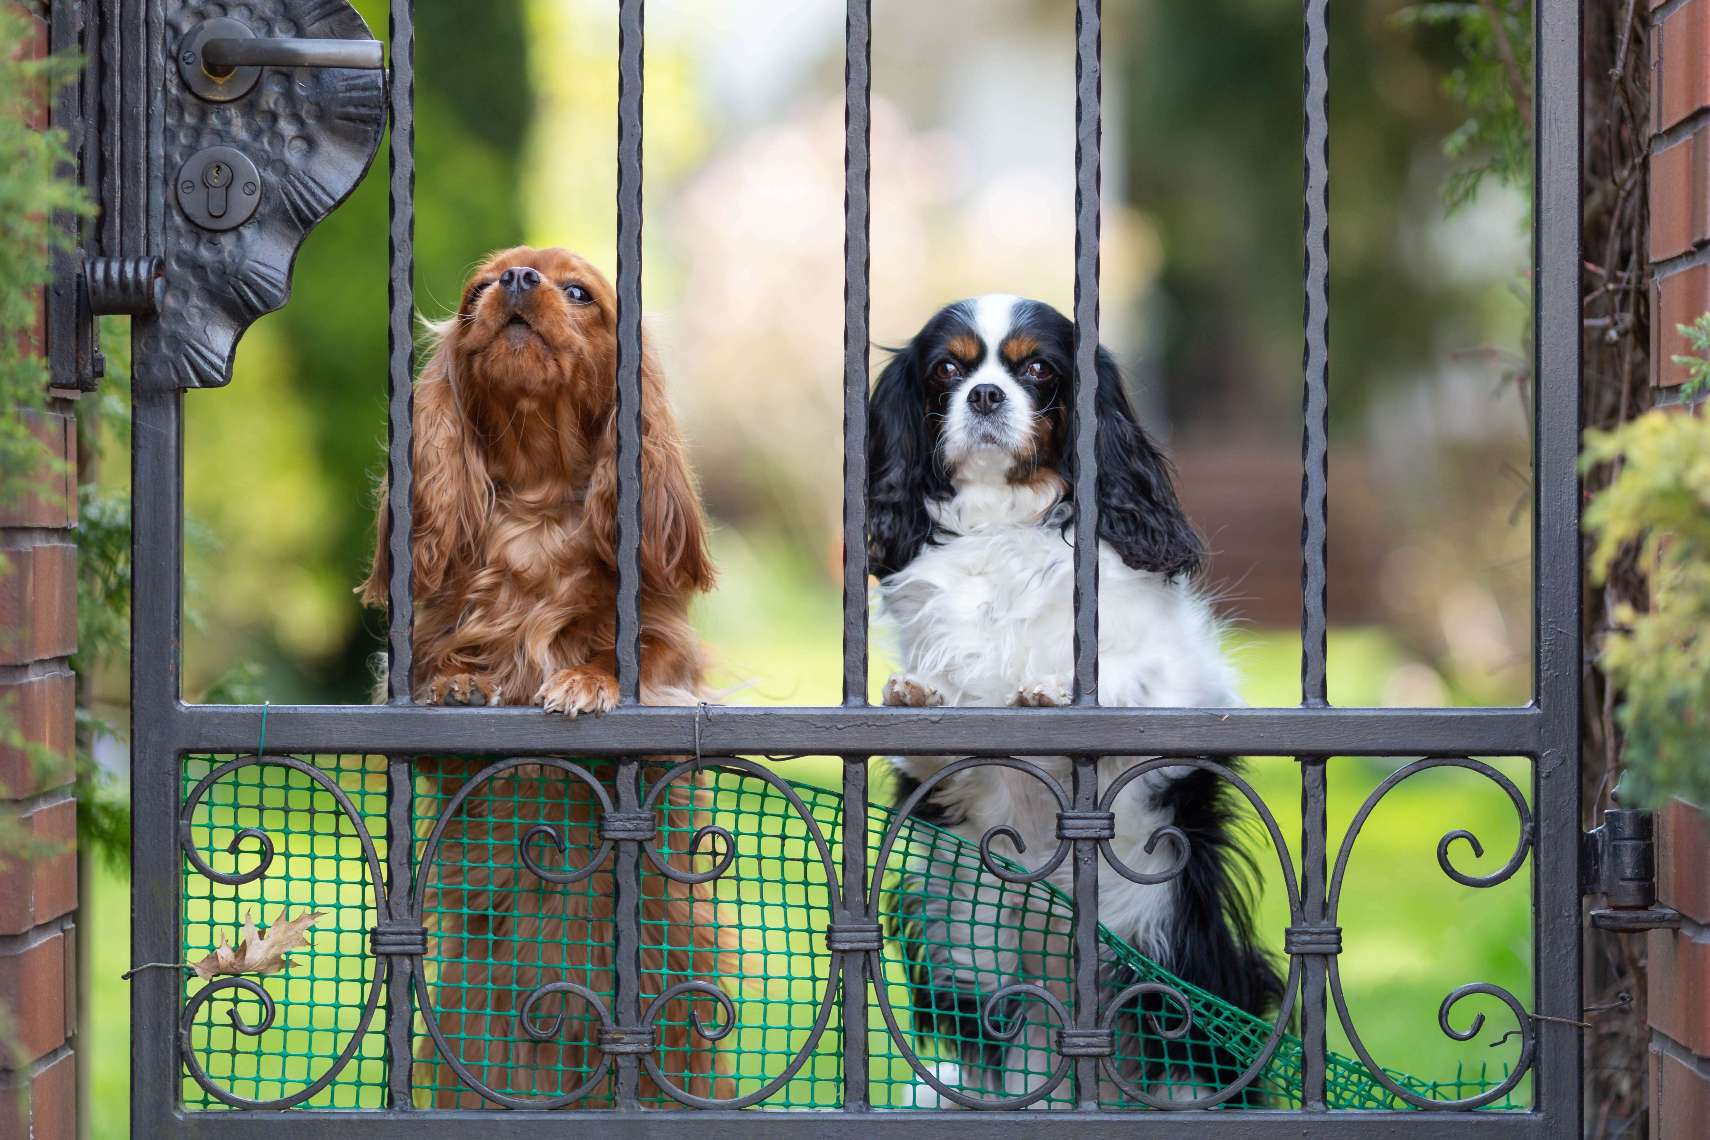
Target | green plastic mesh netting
(501,931)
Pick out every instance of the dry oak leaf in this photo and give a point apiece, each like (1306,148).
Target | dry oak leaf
(256,952)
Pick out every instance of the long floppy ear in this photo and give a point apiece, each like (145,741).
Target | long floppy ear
(902,467)
(674,554)
(453,493)
(1138,512)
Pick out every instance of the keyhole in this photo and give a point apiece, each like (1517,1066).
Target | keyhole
(217,177)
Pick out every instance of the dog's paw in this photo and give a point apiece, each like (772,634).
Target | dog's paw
(909,692)
(584,689)
(461,689)
(1050,694)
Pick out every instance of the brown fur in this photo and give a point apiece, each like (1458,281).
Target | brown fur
(964,348)
(1018,347)
(514,542)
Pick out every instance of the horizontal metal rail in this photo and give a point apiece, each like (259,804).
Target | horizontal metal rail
(877,731)
(713,1125)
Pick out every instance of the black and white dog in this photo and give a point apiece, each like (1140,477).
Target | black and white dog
(970,511)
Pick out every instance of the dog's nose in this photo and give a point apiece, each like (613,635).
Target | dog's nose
(985,398)
(519,280)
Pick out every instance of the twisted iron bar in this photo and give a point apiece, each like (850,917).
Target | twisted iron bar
(249,986)
(1523,846)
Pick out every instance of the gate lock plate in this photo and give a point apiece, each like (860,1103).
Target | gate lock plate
(218,188)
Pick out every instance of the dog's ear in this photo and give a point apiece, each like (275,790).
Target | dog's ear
(674,554)
(453,493)
(902,466)
(1138,512)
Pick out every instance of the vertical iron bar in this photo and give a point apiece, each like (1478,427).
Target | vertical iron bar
(400,858)
(1314,905)
(1315,451)
(1556,562)
(400,350)
(1314,537)
(631,34)
(857,180)
(157,583)
(856,909)
(1088,116)
(1086,956)
(626,905)
(627,859)
(1088,121)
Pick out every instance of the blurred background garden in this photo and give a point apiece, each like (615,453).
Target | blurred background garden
(1430,566)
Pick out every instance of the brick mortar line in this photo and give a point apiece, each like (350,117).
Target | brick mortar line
(1679,1053)
(42,669)
(1662,270)
(1680,132)
(12,945)
(31,537)
(35,801)
(41,1064)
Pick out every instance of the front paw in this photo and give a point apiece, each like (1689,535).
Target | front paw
(1052,694)
(461,689)
(910,692)
(584,689)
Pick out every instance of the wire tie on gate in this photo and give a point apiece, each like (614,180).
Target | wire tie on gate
(854,937)
(261,741)
(1623,1000)
(627,1040)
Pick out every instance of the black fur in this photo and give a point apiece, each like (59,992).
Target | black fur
(1139,513)
(1211,942)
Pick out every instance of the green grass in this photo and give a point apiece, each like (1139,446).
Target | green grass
(1411,934)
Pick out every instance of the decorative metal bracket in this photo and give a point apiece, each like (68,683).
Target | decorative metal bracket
(1618,861)
(309,126)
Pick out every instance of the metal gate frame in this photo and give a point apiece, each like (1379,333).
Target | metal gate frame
(133,80)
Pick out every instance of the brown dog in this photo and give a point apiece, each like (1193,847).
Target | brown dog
(514,540)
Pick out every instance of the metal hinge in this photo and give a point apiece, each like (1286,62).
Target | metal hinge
(1618,861)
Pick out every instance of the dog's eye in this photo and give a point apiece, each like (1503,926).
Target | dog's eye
(947,370)
(1039,370)
(474,293)
(577,294)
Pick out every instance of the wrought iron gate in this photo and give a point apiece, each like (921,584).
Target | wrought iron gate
(203,209)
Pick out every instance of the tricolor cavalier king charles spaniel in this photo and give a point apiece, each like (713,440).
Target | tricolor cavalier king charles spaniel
(971,483)
(514,539)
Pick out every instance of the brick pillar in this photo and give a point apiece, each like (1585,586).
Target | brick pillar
(1679,960)
(38,873)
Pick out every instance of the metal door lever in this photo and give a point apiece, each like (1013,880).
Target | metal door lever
(221,59)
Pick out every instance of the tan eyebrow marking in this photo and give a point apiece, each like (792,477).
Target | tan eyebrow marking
(1018,347)
(964,347)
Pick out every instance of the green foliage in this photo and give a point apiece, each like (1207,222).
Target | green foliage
(31,195)
(1492,82)
(1696,363)
(1657,508)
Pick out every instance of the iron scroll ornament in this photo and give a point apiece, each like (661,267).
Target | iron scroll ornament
(311,133)
(238,987)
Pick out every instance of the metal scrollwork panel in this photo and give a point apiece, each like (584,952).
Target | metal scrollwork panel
(264,837)
(245,180)
(1523,1022)
(516,883)
(1178,1046)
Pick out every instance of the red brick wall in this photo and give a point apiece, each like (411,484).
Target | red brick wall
(38,880)
(1679,960)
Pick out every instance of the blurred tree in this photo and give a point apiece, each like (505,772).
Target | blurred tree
(1213,114)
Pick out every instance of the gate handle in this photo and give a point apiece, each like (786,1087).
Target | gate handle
(221,57)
